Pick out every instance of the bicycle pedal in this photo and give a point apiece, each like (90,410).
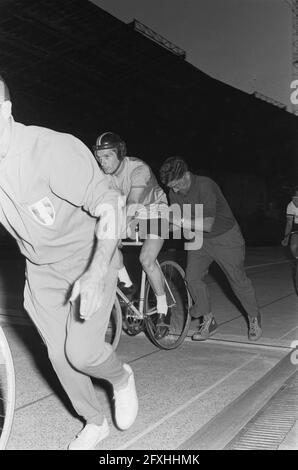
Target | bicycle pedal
(162,331)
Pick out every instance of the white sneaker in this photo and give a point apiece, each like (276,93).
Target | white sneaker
(126,402)
(90,436)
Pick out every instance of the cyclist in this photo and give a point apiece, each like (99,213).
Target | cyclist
(146,206)
(292,224)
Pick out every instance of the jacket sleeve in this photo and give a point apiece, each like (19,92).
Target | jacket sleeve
(76,177)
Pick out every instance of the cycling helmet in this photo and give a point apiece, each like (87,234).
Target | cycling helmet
(110,140)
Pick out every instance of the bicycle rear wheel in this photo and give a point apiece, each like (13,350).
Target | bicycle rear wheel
(178,310)
(114,329)
(7,390)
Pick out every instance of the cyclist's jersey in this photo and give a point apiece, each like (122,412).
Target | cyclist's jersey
(293,210)
(134,173)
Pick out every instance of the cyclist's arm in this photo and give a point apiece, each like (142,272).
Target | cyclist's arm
(135,195)
(139,178)
(134,198)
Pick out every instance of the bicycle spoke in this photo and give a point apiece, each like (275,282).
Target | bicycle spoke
(178,312)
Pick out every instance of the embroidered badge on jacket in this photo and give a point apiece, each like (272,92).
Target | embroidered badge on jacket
(43,211)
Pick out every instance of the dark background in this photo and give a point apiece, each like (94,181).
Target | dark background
(73,67)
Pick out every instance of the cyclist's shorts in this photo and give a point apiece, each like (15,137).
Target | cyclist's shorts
(158,227)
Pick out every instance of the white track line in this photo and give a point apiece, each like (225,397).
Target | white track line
(238,343)
(185,405)
(290,331)
(267,264)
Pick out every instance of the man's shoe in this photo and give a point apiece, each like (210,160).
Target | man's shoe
(126,402)
(90,436)
(162,325)
(255,330)
(206,329)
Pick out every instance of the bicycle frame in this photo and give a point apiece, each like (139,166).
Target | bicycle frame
(139,312)
(133,318)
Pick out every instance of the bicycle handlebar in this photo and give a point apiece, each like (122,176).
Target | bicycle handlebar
(132,243)
(137,241)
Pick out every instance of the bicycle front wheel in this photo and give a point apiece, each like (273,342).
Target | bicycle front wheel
(114,329)
(7,390)
(179,302)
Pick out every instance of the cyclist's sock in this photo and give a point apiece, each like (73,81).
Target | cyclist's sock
(124,277)
(162,305)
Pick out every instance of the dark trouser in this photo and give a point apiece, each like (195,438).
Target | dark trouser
(228,250)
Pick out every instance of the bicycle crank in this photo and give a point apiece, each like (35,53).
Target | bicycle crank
(132,325)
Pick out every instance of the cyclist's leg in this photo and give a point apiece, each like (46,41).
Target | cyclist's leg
(150,250)
(125,282)
(294,251)
(179,302)
(294,244)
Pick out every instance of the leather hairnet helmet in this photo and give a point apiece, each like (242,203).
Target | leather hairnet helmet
(110,140)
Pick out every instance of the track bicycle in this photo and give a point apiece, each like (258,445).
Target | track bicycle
(7,390)
(140,314)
